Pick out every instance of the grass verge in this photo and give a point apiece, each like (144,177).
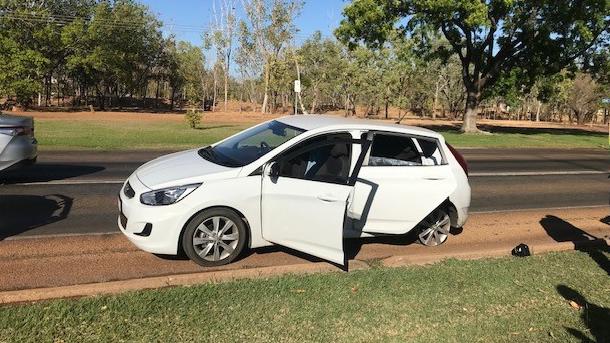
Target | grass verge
(127,135)
(493,300)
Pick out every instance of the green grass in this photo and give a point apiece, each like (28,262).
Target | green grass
(528,140)
(130,135)
(494,300)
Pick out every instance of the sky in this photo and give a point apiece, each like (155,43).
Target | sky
(188,19)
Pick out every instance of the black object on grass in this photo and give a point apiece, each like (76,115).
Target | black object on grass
(521,250)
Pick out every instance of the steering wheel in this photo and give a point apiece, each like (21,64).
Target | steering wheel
(264,145)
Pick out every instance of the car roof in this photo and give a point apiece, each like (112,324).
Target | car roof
(315,121)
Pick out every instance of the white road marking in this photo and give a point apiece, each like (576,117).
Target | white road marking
(72,182)
(61,235)
(540,209)
(540,173)
(77,182)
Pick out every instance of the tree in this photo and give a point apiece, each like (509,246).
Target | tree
(490,37)
(584,97)
(266,33)
(222,37)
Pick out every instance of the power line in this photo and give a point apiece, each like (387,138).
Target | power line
(63,20)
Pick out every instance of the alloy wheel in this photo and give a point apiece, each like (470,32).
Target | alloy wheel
(216,238)
(434,229)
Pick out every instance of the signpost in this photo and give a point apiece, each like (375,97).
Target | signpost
(297,90)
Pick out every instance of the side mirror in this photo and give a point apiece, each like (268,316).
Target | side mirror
(272,170)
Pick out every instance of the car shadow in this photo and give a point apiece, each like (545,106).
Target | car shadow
(563,231)
(593,316)
(21,213)
(45,172)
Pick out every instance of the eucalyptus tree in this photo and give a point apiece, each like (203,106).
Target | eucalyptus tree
(222,37)
(267,30)
(490,37)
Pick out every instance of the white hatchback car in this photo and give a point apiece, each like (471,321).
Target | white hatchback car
(304,182)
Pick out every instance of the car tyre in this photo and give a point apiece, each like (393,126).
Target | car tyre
(435,228)
(214,237)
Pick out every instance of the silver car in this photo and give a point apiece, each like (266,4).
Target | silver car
(17,143)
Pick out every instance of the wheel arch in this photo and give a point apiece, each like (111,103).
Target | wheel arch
(452,211)
(180,251)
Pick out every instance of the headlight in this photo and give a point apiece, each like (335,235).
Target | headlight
(167,196)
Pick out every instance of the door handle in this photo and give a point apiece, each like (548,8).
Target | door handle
(434,178)
(328,198)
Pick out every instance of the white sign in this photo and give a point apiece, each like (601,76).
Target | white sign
(297,86)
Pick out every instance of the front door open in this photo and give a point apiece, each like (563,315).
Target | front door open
(305,193)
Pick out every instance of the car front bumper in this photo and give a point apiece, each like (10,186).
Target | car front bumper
(155,229)
(20,150)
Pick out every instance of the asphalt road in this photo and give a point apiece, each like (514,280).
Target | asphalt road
(74,192)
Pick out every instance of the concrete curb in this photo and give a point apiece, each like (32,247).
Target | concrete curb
(399,261)
(116,287)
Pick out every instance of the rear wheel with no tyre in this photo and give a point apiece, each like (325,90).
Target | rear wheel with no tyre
(434,229)
(214,237)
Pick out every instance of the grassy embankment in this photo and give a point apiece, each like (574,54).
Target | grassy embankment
(493,300)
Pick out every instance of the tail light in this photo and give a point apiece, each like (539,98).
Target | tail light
(461,160)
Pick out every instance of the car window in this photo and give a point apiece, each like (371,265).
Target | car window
(326,159)
(431,154)
(251,144)
(400,150)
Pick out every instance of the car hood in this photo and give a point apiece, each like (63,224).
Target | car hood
(181,168)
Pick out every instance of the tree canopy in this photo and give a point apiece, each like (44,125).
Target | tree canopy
(491,37)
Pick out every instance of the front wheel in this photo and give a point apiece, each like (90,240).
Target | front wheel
(434,229)
(214,237)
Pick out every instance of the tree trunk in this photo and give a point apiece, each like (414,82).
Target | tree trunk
(470,115)
(538,110)
(387,104)
(226,89)
(266,96)
(314,102)
(215,92)
(469,125)
(436,91)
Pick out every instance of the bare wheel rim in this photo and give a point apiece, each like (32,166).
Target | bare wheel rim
(215,238)
(435,229)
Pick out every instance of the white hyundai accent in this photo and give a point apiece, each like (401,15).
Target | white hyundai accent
(305,182)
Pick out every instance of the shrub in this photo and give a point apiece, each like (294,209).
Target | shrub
(193,117)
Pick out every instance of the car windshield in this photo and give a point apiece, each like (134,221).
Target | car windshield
(249,145)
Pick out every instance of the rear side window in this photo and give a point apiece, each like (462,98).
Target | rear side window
(324,159)
(399,150)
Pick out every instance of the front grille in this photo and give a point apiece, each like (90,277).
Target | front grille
(128,191)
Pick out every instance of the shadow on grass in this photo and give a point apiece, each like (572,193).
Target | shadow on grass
(204,128)
(563,231)
(69,109)
(521,130)
(596,318)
